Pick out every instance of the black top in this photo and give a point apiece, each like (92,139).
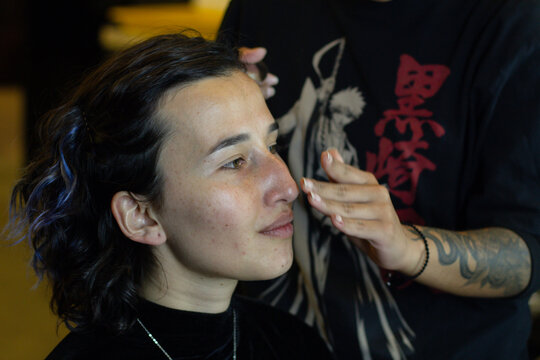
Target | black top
(440,99)
(263,333)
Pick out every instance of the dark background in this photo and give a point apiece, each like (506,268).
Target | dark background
(46,47)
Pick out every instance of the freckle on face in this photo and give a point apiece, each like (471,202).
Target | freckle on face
(216,218)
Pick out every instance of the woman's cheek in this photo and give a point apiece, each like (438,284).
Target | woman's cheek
(230,220)
(228,209)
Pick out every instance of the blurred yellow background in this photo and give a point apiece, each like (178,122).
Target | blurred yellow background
(28,329)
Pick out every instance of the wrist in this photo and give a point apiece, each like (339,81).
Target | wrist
(423,262)
(416,252)
(419,257)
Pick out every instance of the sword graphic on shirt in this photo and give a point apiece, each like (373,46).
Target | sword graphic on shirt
(315,123)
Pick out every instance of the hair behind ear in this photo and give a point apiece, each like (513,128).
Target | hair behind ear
(51,196)
(62,205)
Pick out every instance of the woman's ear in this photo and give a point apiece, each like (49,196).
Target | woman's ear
(136,219)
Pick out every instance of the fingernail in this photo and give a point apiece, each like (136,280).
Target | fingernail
(339,219)
(315,197)
(329,157)
(308,184)
(271,79)
(260,48)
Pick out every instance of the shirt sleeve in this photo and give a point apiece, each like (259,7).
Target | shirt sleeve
(506,189)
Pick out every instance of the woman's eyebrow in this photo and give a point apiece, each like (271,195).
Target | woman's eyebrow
(230,141)
(236,139)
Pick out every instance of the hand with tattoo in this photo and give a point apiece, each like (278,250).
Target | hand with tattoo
(489,262)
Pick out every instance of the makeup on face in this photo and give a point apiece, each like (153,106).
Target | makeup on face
(228,195)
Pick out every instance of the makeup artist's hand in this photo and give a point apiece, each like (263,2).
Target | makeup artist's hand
(362,209)
(256,69)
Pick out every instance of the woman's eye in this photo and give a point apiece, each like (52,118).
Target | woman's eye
(235,164)
(273,148)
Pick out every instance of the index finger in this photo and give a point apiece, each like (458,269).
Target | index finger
(344,193)
(342,173)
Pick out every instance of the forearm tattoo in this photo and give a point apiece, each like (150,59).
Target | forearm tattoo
(493,256)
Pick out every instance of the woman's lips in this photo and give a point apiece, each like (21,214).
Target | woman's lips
(281,228)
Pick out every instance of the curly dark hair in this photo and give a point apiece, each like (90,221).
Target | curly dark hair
(105,139)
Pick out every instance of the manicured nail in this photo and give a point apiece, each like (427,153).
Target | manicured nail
(329,157)
(308,184)
(315,197)
(270,92)
(272,79)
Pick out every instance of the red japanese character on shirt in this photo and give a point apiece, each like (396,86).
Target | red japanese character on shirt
(400,162)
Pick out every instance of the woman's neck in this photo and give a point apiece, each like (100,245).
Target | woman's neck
(174,286)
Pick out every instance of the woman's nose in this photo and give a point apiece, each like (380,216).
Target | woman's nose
(279,185)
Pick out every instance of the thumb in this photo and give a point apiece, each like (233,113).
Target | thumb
(329,156)
(333,164)
(335,154)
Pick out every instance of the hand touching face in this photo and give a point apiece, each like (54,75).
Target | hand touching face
(361,208)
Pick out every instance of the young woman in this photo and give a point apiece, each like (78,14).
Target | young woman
(157,189)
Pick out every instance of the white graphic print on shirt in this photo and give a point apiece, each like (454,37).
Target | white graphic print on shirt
(316,122)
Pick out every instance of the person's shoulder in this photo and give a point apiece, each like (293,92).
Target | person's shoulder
(266,10)
(275,4)
(77,346)
(522,16)
(282,327)
(97,344)
(532,7)
(508,38)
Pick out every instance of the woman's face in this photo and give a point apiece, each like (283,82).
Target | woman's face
(227,194)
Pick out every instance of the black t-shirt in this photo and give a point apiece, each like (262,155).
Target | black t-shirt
(441,101)
(262,333)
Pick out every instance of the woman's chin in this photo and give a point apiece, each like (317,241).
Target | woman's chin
(274,268)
